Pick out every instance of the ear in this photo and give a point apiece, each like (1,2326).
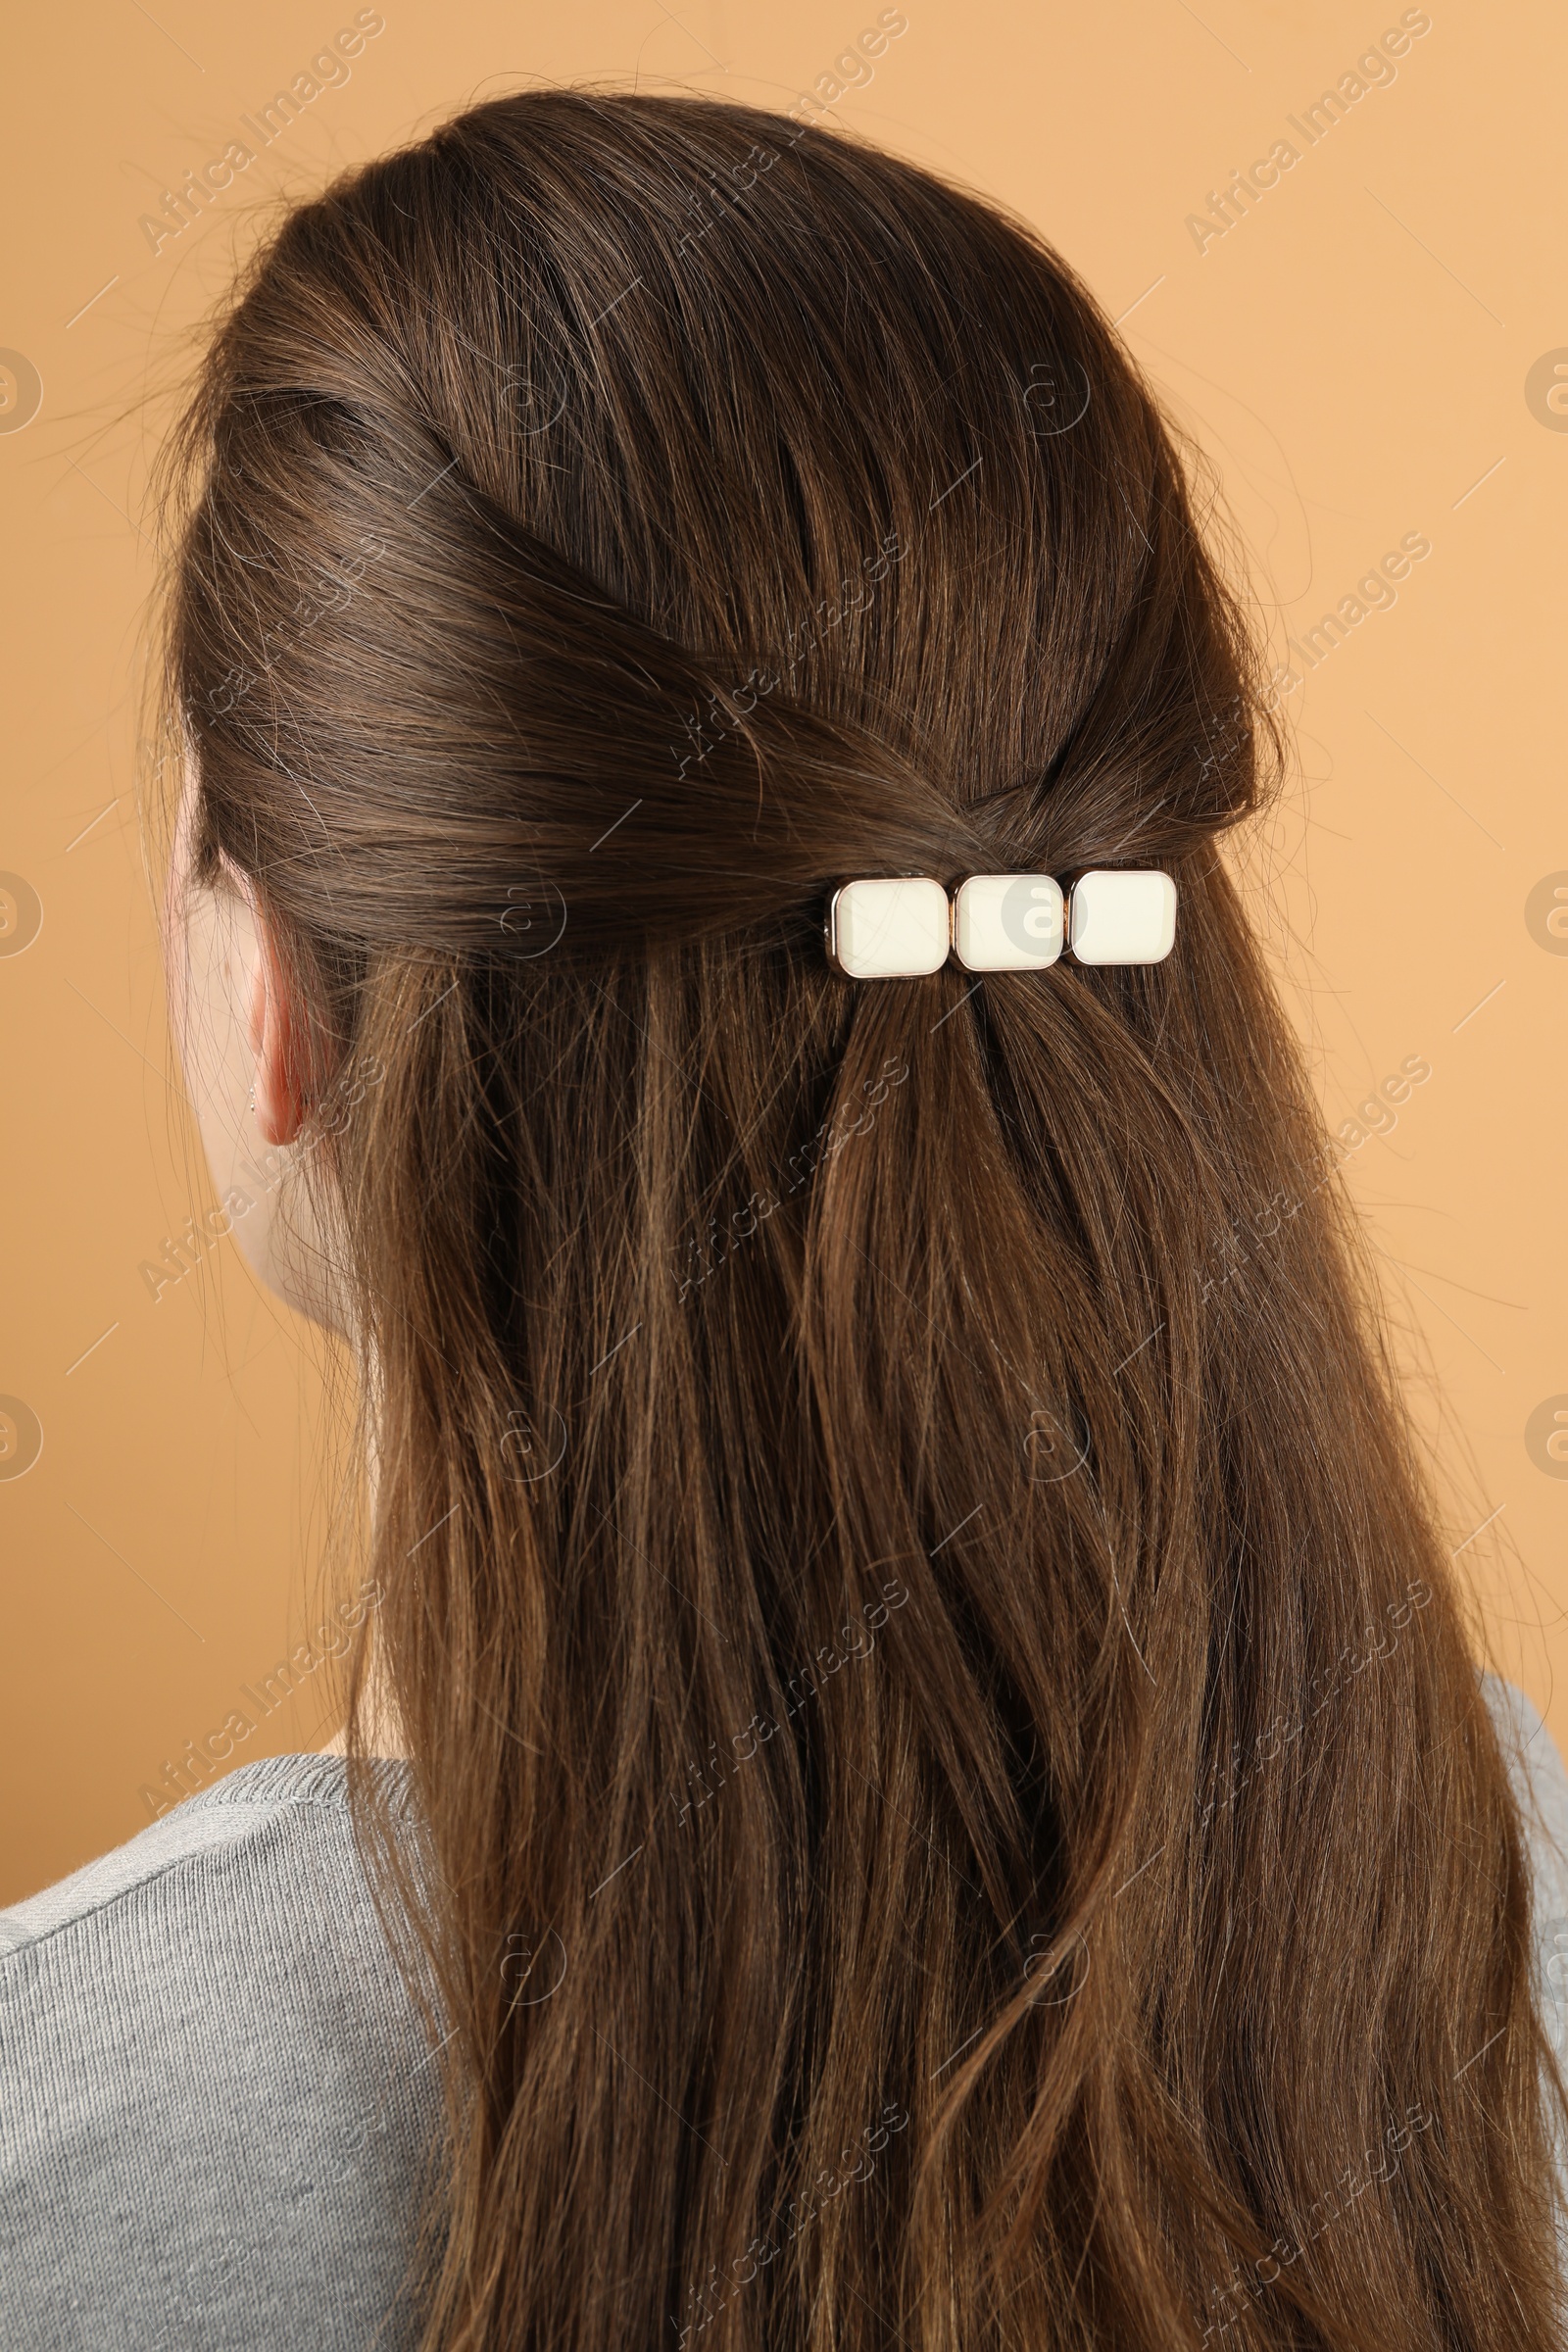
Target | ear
(275,1036)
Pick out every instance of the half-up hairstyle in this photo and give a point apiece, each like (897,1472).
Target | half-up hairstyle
(960,1809)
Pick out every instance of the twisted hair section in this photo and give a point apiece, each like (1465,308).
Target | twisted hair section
(849,1495)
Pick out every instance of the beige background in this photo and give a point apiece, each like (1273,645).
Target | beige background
(1354,356)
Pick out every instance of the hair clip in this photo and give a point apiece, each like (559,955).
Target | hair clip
(1007,923)
(890,928)
(899,927)
(1121,916)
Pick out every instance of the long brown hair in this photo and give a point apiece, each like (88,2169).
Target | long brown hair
(960,1809)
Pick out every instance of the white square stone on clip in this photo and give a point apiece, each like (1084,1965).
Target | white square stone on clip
(1122,915)
(889,927)
(1007,923)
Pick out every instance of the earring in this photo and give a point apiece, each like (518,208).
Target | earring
(253,1094)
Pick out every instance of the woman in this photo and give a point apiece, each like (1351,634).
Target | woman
(932,1786)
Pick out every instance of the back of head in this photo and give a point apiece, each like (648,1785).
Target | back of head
(880,1482)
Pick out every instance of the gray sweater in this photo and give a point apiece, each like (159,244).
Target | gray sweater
(215,2094)
(215,2101)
